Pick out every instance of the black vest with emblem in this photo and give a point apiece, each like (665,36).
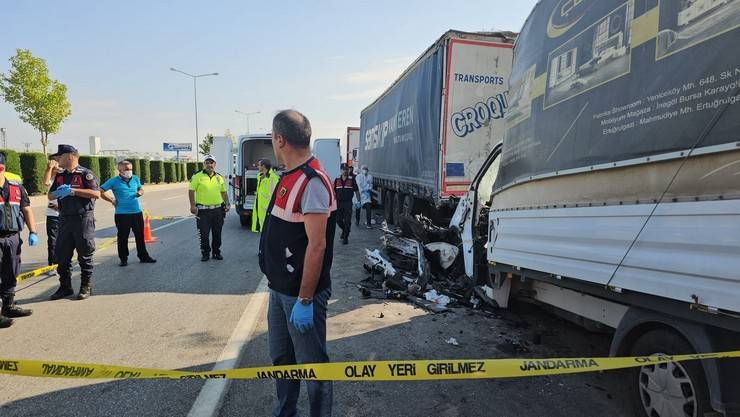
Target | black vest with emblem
(10,201)
(283,240)
(73,205)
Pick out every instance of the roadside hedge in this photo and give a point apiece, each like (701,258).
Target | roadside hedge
(170,172)
(182,172)
(146,171)
(33,167)
(192,168)
(108,168)
(157,171)
(12,161)
(92,163)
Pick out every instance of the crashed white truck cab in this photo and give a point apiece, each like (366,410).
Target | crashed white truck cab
(615,203)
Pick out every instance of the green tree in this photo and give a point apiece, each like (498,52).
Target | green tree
(40,101)
(205,146)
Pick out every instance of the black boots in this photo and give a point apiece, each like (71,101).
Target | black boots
(62,292)
(65,289)
(10,308)
(85,289)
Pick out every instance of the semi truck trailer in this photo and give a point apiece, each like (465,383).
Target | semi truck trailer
(427,135)
(614,198)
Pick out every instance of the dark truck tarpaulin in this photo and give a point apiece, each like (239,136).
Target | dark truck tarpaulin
(397,133)
(595,82)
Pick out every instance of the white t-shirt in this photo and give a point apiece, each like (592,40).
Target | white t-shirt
(50,212)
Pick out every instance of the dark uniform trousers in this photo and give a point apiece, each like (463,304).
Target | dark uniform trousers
(344,217)
(52,230)
(125,224)
(10,261)
(76,232)
(210,222)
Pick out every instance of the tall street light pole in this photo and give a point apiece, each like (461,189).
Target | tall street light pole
(247,116)
(195,95)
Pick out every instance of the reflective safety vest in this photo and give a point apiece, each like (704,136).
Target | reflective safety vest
(13,177)
(265,186)
(12,218)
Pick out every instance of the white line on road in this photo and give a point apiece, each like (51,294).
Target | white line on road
(170,224)
(212,394)
(172,198)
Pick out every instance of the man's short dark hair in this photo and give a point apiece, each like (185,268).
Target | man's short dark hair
(265,163)
(294,127)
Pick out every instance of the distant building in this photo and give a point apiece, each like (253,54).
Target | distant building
(95,145)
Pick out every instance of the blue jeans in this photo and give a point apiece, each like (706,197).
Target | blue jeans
(288,346)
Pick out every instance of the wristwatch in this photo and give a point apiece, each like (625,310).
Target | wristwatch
(305,300)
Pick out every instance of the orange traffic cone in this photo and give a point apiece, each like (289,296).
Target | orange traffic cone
(148,238)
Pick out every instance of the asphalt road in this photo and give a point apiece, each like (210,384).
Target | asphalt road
(181,313)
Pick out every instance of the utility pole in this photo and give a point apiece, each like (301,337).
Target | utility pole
(247,116)
(27,145)
(3,139)
(195,96)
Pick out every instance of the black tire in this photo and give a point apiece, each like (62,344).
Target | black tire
(669,343)
(397,207)
(245,220)
(407,206)
(388,197)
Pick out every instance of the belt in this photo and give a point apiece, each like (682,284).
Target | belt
(7,233)
(83,214)
(203,207)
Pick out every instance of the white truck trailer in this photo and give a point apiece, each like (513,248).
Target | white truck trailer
(427,135)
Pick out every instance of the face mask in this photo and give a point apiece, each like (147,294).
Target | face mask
(127,174)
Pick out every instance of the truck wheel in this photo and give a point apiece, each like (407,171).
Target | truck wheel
(398,207)
(408,205)
(673,389)
(388,197)
(245,220)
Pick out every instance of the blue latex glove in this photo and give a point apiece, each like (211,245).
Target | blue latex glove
(62,191)
(33,239)
(302,316)
(356,205)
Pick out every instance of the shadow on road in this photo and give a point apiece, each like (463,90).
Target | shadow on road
(359,330)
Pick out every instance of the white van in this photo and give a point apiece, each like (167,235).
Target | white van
(328,153)
(252,148)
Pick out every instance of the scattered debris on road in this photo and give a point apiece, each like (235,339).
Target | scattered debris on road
(421,263)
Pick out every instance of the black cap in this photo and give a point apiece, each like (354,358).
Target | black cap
(2,158)
(62,149)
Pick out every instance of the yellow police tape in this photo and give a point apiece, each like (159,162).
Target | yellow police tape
(167,217)
(38,271)
(414,370)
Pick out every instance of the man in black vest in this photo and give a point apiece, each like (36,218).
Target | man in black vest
(17,210)
(296,249)
(76,189)
(345,187)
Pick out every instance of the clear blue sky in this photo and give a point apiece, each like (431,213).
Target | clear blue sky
(328,59)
